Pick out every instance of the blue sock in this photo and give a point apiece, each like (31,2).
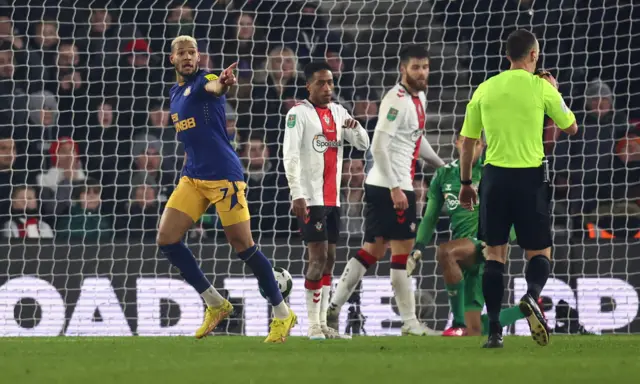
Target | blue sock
(263,271)
(182,258)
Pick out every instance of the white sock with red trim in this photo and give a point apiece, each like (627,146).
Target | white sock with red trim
(313,293)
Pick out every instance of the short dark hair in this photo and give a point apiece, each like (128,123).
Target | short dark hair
(84,186)
(313,67)
(519,44)
(413,51)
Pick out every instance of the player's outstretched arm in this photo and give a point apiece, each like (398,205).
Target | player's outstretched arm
(355,134)
(221,85)
(429,154)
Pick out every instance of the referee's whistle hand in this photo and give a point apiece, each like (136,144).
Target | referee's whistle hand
(468,197)
(400,201)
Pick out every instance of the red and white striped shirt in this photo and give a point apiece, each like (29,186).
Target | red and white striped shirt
(313,149)
(402,116)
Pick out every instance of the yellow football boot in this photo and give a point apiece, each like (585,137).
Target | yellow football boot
(212,317)
(280,328)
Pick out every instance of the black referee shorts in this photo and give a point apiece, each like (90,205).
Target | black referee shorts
(518,197)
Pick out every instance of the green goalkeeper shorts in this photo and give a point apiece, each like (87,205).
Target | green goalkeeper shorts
(473,297)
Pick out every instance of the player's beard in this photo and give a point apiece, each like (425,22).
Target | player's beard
(196,68)
(416,84)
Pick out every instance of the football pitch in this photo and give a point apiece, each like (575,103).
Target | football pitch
(577,359)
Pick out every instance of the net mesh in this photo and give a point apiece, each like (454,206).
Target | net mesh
(88,155)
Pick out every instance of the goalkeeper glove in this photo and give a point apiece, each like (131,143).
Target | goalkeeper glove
(414,257)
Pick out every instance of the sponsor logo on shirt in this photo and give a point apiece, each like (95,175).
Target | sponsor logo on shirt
(291,121)
(321,144)
(451,201)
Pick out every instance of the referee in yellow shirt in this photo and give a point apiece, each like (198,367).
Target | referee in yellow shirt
(514,189)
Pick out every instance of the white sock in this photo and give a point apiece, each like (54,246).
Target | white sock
(212,297)
(313,293)
(281,311)
(324,302)
(352,274)
(405,299)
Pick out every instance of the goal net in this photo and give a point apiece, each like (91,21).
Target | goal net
(89,157)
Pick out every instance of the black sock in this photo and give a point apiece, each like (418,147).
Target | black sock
(493,289)
(495,327)
(538,269)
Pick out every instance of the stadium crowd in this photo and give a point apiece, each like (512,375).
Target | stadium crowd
(88,152)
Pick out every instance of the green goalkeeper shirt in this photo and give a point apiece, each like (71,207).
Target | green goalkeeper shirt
(444,190)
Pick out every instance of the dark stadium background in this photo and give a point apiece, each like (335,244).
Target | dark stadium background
(109,95)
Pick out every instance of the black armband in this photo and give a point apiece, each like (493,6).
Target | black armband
(466,182)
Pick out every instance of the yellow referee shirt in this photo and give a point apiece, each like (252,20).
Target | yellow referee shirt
(511,108)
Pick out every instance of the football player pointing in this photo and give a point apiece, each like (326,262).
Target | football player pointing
(313,148)
(212,175)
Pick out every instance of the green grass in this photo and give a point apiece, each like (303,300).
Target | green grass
(410,360)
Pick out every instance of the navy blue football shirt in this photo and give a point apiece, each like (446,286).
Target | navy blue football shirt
(199,119)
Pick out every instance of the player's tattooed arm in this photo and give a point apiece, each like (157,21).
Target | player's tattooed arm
(220,85)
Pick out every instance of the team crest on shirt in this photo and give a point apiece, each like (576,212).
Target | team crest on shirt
(291,121)
(392,114)
(187,91)
(326,119)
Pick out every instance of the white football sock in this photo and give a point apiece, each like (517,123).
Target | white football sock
(281,311)
(324,302)
(212,297)
(313,293)
(352,274)
(403,293)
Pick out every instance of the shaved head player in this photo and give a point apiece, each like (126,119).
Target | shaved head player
(514,190)
(212,175)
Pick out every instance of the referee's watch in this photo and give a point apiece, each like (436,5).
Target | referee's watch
(466,182)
